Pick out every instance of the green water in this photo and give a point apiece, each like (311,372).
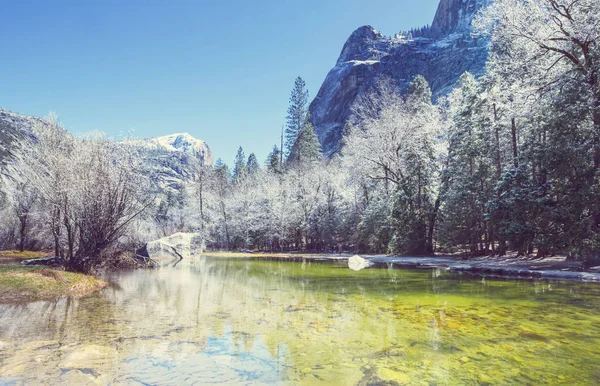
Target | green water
(209,321)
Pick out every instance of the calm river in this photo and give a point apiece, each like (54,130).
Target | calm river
(217,321)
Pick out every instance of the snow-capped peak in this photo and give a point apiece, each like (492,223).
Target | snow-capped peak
(180,142)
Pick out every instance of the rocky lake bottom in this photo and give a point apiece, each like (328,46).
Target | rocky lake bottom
(236,321)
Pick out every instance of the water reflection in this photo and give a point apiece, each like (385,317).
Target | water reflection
(247,322)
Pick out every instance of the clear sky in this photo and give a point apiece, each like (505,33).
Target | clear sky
(219,70)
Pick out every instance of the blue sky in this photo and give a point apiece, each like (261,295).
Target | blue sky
(219,70)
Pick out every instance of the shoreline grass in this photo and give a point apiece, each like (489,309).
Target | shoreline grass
(19,283)
(13,256)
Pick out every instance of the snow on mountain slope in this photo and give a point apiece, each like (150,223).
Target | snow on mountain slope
(171,161)
(182,142)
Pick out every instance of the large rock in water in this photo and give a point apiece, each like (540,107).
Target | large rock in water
(179,245)
(357,263)
(441,53)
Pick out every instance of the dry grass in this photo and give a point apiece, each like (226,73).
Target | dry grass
(11,256)
(19,283)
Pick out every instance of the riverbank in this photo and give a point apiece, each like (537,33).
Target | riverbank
(19,283)
(550,268)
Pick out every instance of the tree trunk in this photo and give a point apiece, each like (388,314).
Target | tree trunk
(514,142)
(56,232)
(432,220)
(497,132)
(501,242)
(596,118)
(22,231)
(201,199)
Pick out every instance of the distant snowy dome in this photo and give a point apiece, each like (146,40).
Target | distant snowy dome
(171,160)
(181,142)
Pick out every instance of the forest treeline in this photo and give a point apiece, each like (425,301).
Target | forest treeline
(508,161)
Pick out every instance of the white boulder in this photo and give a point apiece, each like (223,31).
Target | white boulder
(179,245)
(356,263)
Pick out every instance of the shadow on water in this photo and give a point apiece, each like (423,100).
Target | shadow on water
(216,321)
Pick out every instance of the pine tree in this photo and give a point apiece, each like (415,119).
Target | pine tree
(240,169)
(252,166)
(418,94)
(468,179)
(307,147)
(273,162)
(297,114)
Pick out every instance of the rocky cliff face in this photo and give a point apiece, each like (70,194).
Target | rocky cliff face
(456,15)
(441,53)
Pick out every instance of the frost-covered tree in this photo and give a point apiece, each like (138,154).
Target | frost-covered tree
(25,200)
(222,189)
(91,188)
(549,44)
(545,55)
(395,143)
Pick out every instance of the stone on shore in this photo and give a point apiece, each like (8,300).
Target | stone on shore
(48,261)
(357,263)
(179,245)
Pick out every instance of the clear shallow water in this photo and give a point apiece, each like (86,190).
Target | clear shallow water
(221,321)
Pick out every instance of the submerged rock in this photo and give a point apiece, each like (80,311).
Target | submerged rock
(533,336)
(389,375)
(357,263)
(89,357)
(179,246)
(78,377)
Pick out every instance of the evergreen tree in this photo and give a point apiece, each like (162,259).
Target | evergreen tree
(273,162)
(297,114)
(240,169)
(468,179)
(419,94)
(252,166)
(307,147)
(545,52)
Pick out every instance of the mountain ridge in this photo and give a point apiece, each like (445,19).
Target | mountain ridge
(441,53)
(171,160)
